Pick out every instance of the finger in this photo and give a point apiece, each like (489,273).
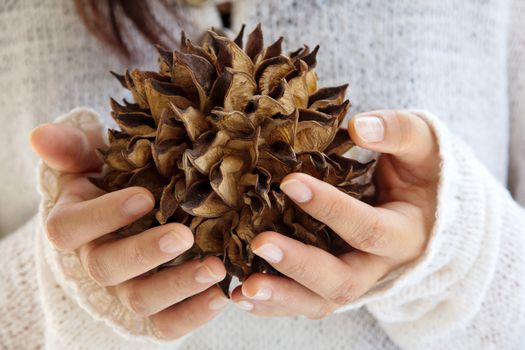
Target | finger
(314,268)
(267,295)
(148,295)
(66,148)
(71,223)
(402,134)
(117,260)
(373,230)
(187,316)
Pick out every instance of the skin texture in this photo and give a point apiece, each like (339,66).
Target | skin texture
(315,283)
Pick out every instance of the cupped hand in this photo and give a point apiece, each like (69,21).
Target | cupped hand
(386,236)
(177,299)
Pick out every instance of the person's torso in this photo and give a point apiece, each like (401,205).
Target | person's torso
(448,57)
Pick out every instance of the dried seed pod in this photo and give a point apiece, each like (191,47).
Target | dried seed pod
(213,133)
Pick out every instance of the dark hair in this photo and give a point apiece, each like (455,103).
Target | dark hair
(104,19)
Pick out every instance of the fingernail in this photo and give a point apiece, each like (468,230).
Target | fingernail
(218,302)
(205,275)
(173,242)
(370,129)
(137,205)
(296,190)
(244,305)
(270,252)
(262,294)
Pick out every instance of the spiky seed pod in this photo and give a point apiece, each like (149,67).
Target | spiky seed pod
(212,134)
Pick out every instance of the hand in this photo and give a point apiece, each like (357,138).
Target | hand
(387,236)
(177,299)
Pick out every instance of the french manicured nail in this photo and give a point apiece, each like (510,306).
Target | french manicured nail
(137,205)
(370,129)
(262,294)
(244,305)
(173,242)
(205,275)
(218,302)
(270,252)
(296,190)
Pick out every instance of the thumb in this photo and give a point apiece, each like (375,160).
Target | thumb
(66,148)
(402,134)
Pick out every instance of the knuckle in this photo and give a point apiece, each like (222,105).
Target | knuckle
(326,211)
(98,215)
(55,231)
(372,236)
(179,283)
(134,301)
(344,293)
(94,268)
(321,312)
(141,254)
(406,132)
(298,269)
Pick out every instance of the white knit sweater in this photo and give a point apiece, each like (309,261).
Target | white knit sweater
(464,61)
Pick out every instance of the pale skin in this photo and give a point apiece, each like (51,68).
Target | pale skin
(315,283)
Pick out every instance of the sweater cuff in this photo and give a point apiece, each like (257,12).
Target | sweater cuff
(69,273)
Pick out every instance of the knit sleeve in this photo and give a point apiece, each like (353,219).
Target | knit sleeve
(467,290)
(516,78)
(75,284)
(21,316)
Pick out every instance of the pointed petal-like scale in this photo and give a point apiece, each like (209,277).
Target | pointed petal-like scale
(242,87)
(202,71)
(313,164)
(121,79)
(138,152)
(244,228)
(261,107)
(168,201)
(279,128)
(231,55)
(202,52)
(269,73)
(135,82)
(239,37)
(274,49)
(149,178)
(238,256)
(126,108)
(169,128)
(347,169)
(311,58)
(138,226)
(336,110)
(224,178)
(193,120)
(136,123)
(161,96)
(202,201)
(234,121)
(298,85)
(326,96)
(255,42)
(166,154)
(315,131)
(341,144)
(208,149)
(165,60)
